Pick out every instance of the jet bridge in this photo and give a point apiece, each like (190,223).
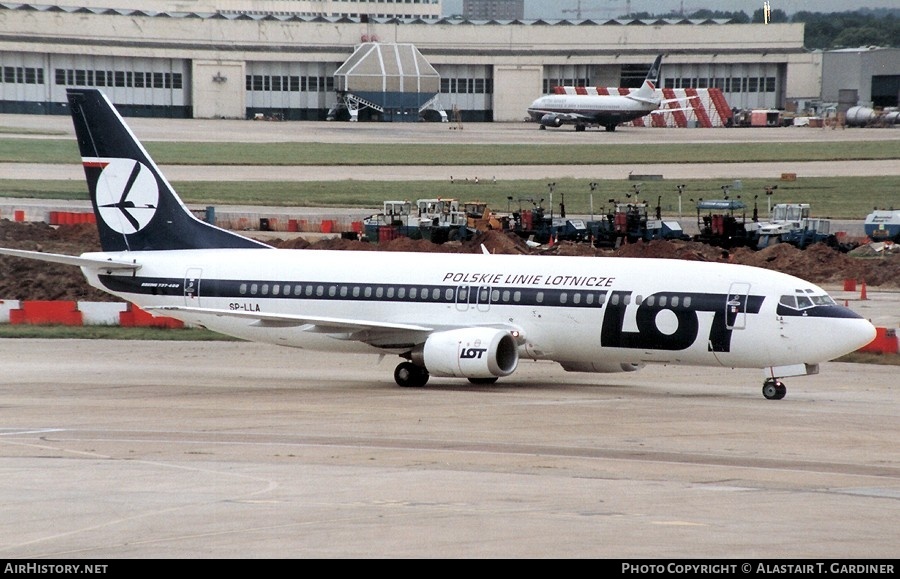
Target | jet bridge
(394,81)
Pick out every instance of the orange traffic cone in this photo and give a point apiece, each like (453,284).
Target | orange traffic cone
(862,292)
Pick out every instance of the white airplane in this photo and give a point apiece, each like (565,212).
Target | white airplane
(607,111)
(463,316)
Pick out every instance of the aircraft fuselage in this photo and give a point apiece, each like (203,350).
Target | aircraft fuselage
(581,311)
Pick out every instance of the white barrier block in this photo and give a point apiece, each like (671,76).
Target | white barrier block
(101,313)
(5,307)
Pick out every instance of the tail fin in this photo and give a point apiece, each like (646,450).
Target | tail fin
(647,92)
(136,207)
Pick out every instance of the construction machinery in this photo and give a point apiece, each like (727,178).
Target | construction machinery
(441,220)
(718,224)
(437,220)
(393,221)
(480,218)
(791,223)
(630,221)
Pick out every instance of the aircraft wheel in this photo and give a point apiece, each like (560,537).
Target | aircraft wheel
(580,128)
(542,127)
(409,375)
(483,381)
(773,389)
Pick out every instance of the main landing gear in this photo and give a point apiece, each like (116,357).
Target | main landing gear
(409,375)
(773,389)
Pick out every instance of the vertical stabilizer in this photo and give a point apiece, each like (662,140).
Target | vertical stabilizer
(136,207)
(647,92)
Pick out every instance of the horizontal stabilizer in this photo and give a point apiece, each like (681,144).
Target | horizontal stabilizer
(106,264)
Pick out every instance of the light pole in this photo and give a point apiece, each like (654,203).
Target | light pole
(769,190)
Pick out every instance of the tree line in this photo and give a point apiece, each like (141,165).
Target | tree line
(825,31)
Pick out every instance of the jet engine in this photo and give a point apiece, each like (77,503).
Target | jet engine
(551,120)
(600,367)
(470,353)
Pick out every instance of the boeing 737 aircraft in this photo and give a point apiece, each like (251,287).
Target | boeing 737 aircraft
(464,316)
(607,111)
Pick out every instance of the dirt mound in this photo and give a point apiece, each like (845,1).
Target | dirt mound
(24,279)
(823,264)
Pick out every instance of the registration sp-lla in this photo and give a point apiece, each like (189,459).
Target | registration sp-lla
(467,316)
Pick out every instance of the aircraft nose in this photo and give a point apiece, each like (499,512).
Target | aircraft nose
(854,333)
(860,333)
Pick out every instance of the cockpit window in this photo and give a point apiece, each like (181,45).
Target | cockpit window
(805,300)
(823,300)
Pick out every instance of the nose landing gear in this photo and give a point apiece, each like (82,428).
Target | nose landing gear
(773,389)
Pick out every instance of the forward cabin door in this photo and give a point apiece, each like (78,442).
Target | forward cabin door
(736,306)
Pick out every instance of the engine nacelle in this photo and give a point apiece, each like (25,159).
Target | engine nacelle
(470,353)
(600,367)
(550,120)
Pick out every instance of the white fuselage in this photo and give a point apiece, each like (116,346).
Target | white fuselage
(606,110)
(567,309)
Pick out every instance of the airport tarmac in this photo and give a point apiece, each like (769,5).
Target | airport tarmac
(201,450)
(122,449)
(246,131)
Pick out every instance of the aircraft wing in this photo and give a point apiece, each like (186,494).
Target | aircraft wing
(663,111)
(321,323)
(104,264)
(650,101)
(678,100)
(660,102)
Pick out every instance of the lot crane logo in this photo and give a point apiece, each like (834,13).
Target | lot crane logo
(127,195)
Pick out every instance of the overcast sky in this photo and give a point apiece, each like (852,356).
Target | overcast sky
(612,8)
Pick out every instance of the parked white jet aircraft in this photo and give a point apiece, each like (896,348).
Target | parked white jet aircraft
(467,316)
(607,111)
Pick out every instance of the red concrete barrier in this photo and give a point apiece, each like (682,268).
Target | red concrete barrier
(136,317)
(885,342)
(47,312)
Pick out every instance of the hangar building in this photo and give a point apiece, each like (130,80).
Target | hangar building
(238,64)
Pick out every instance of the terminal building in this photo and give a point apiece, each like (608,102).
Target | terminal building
(289,59)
